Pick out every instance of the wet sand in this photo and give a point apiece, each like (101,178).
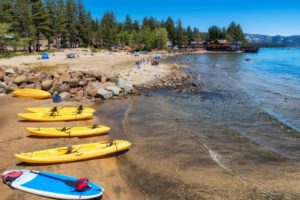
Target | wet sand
(14,138)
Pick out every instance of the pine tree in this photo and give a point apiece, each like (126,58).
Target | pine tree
(71,25)
(189,34)
(196,35)
(170,26)
(215,33)
(136,25)
(181,37)
(128,25)
(40,21)
(109,29)
(161,38)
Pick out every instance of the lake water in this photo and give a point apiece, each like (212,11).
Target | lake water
(238,136)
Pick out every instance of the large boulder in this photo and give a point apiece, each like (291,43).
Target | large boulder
(47,84)
(90,91)
(128,88)
(115,90)
(20,79)
(65,95)
(104,94)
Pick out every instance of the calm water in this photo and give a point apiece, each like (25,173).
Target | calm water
(273,79)
(239,122)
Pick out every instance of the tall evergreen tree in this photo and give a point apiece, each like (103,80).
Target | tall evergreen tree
(189,34)
(215,33)
(71,25)
(109,29)
(196,35)
(170,26)
(136,25)
(128,25)
(40,21)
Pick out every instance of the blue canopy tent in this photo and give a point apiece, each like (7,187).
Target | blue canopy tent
(45,56)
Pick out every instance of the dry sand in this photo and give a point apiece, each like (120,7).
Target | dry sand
(110,63)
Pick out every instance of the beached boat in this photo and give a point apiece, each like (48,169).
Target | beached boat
(31,93)
(74,153)
(61,109)
(81,131)
(54,116)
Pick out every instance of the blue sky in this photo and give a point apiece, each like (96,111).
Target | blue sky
(271,17)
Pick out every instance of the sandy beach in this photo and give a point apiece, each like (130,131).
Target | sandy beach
(104,171)
(119,64)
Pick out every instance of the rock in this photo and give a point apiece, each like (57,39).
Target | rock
(90,79)
(104,94)
(47,84)
(2,74)
(90,91)
(65,78)
(8,80)
(73,83)
(83,83)
(10,88)
(65,95)
(120,82)
(77,75)
(128,88)
(61,71)
(9,71)
(103,79)
(74,90)
(3,85)
(80,93)
(31,85)
(20,79)
(63,88)
(31,78)
(115,90)
(40,76)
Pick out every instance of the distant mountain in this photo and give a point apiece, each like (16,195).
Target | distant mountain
(278,40)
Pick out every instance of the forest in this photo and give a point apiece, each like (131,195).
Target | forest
(67,24)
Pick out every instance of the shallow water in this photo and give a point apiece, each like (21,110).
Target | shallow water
(222,143)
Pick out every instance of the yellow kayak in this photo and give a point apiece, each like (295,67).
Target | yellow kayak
(74,153)
(47,117)
(31,93)
(69,132)
(63,110)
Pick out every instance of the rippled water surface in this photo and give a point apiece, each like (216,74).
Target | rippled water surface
(232,140)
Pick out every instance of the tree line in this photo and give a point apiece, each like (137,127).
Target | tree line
(67,23)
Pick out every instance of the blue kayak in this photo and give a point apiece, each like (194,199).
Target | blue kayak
(51,185)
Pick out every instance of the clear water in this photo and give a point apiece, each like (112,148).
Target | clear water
(272,77)
(237,123)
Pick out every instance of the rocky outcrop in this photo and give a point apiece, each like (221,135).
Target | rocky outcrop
(91,85)
(114,90)
(104,94)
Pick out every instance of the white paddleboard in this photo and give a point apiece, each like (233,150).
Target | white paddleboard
(52,185)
